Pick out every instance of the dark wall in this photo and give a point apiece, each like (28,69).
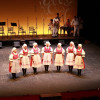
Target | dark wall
(89,11)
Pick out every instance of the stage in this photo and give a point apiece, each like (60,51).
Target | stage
(52,82)
(38,37)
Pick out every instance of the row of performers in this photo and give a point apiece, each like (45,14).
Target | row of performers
(74,58)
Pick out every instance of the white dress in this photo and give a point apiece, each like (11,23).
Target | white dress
(15,64)
(47,56)
(70,60)
(79,62)
(25,59)
(36,57)
(59,56)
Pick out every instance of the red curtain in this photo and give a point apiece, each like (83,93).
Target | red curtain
(35,97)
(81,94)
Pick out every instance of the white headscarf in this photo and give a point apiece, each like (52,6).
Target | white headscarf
(59,44)
(80,45)
(72,43)
(35,44)
(24,45)
(13,49)
(47,42)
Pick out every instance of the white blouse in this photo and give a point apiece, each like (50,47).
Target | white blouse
(83,52)
(63,51)
(11,57)
(32,51)
(21,52)
(71,48)
(46,47)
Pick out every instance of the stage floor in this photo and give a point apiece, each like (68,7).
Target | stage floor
(52,82)
(34,37)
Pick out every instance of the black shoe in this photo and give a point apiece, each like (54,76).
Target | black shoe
(47,68)
(57,68)
(46,71)
(78,72)
(35,73)
(24,74)
(69,69)
(14,78)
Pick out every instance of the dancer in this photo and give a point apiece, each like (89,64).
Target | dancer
(59,56)
(14,66)
(70,56)
(24,59)
(79,59)
(35,58)
(47,55)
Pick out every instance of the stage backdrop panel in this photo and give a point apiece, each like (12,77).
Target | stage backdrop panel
(20,11)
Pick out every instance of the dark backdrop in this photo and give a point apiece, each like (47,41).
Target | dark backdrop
(89,10)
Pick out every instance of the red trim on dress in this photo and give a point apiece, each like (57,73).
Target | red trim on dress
(58,51)
(36,51)
(47,50)
(14,57)
(9,67)
(70,50)
(79,53)
(25,53)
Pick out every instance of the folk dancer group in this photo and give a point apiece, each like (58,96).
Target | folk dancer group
(31,59)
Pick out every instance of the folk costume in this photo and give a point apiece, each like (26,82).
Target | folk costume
(59,56)
(14,66)
(70,56)
(47,55)
(24,59)
(79,59)
(35,58)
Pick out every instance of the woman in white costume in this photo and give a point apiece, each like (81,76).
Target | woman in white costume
(14,66)
(70,56)
(79,59)
(59,56)
(47,55)
(24,59)
(35,58)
